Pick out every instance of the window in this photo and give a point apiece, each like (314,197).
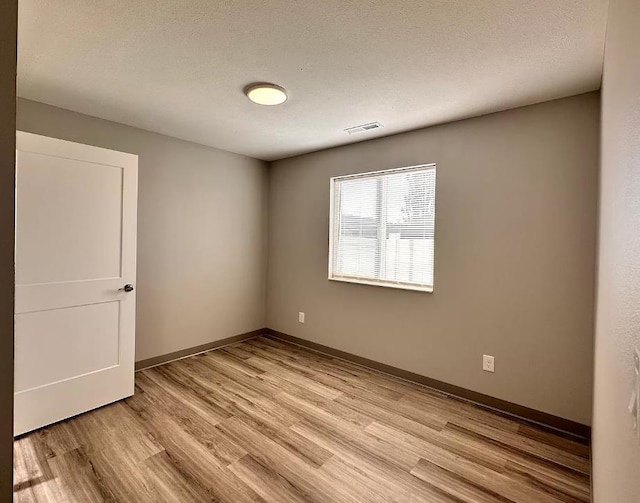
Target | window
(383,228)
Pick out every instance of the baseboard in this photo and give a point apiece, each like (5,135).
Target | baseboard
(572,429)
(184,353)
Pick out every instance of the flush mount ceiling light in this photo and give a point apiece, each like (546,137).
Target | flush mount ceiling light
(266,94)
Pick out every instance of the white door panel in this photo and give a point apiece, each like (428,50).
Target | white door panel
(65,351)
(56,242)
(75,250)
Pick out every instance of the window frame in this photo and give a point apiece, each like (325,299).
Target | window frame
(332,202)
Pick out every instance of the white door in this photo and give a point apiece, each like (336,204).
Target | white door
(75,252)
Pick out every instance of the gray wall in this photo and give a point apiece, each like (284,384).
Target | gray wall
(616,449)
(515,256)
(202,226)
(8,32)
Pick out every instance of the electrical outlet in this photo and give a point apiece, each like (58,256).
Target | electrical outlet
(488,363)
(300,317)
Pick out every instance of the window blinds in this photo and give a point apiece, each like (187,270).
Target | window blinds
(383,228)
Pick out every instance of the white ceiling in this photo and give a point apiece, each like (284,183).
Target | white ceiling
(179,67)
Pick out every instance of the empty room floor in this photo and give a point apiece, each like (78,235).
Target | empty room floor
(265,420)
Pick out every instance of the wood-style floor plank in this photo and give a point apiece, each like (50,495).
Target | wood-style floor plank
(268,421)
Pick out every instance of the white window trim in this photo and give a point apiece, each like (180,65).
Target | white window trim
(368,281)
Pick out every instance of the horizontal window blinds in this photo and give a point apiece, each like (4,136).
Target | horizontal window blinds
(383,228)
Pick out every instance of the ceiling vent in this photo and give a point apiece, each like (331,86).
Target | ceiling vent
(363,127)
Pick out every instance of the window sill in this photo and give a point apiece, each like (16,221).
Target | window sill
(397,286)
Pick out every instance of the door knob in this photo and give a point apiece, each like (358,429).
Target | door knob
(127,288)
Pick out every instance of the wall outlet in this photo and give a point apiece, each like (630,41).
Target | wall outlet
(488,363)
(300,317)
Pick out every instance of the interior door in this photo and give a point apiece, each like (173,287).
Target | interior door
(76,209)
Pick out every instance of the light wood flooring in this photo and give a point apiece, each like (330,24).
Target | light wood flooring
(267,421)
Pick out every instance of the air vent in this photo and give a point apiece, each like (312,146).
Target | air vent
(363,127)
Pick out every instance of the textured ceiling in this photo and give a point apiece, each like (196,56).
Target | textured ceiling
(178,67)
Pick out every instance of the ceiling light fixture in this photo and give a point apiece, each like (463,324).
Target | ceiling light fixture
(266,94)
